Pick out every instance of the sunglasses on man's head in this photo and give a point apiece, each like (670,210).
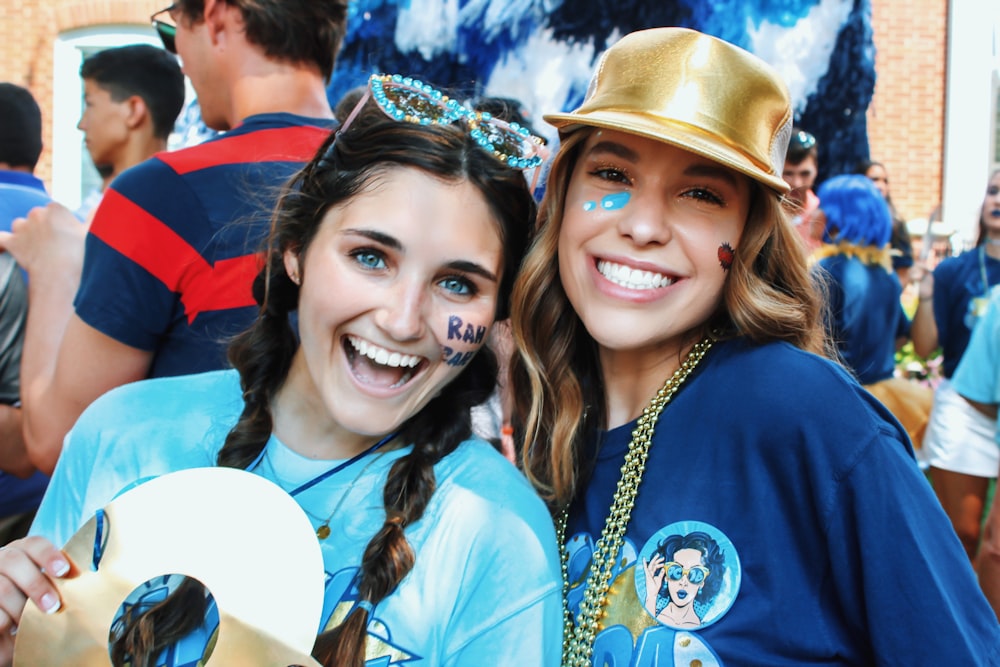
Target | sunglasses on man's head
(802,140)
(166,31)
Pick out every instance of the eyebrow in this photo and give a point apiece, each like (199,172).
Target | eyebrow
(472,267)
(703,170)
(615,148)
(393,243)
(712,171)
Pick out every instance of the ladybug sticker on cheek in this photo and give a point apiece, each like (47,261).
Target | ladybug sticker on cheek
(466,337)
(726,256)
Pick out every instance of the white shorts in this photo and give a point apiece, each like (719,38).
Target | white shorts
(959,438)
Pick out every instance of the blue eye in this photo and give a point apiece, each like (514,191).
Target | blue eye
(458,286)
(369,259)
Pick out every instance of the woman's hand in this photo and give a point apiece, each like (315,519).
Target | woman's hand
(654,580)
(27,567)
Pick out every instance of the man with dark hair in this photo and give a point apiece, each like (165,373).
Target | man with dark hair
(171,254)
(20,146)
(132,96)
(800,170)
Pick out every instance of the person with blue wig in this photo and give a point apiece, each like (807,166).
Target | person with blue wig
(865,316)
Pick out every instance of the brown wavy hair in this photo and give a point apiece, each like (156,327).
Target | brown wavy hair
(297,31)
(558,393)
(347,163)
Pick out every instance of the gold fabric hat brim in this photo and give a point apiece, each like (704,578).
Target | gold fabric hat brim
(677,134)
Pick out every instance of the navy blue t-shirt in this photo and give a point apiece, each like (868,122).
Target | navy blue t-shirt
(781,520)
(866,315)
(958,289)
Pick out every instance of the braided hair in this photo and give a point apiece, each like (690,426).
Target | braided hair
(344,166)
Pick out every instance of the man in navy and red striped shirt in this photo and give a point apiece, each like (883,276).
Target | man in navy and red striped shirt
(170,256)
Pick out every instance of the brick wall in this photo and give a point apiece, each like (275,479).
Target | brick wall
(906,117)
(28,29)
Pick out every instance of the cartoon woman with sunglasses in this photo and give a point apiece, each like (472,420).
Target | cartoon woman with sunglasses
(683,576)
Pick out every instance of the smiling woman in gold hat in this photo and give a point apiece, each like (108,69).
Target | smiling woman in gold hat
(673,397)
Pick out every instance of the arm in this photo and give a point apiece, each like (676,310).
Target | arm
(923,329)
(889,509)
(61,378)
(13,452)
(65,364)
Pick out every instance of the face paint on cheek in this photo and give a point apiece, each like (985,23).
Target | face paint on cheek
(726,255)
(467,338)
(616,201)
(613,202)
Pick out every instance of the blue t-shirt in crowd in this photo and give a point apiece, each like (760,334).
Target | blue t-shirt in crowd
(960,294)
(19,193)
(866,315)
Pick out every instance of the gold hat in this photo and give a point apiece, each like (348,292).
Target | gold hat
(695,92)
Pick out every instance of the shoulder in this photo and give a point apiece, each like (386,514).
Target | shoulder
(772,362)
(278,137)
(952,265)
(788,389)
(478,466)
(181,401)
(477,480)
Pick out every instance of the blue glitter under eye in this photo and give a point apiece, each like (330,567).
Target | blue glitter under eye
(615,201)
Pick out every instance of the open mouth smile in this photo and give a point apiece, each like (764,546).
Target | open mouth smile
(635,279)
(378,366)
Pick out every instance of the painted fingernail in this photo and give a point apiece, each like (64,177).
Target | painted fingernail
(50,603)
(59,567)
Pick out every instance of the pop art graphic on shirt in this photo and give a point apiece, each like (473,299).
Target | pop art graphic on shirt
(341,597)
(660,628)
(688,575)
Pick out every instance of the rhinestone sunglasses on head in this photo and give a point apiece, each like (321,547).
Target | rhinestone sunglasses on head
(410,100)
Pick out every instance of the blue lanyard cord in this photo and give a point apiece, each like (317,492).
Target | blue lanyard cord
(332,471)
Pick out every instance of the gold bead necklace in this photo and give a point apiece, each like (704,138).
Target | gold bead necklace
(578,639)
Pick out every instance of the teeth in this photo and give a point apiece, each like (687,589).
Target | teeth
(381,355)
(632,278)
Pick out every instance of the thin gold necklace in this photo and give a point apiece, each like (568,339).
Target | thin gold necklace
(323,530)
(578,639)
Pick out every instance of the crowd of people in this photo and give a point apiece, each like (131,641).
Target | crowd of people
(699,452)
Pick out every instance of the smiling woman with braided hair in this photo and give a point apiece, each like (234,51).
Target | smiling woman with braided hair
(395,249)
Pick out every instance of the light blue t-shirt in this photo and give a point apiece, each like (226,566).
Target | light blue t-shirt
(485,588)
(978,374)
